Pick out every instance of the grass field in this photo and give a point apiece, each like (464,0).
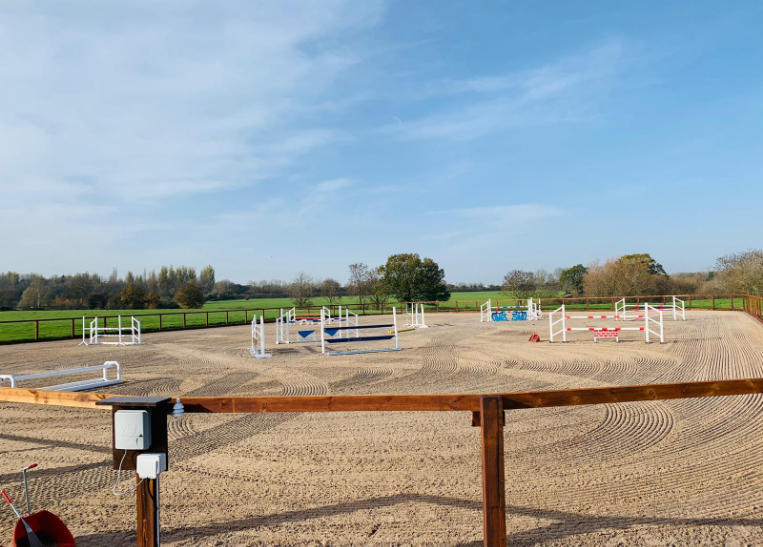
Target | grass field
(50,325)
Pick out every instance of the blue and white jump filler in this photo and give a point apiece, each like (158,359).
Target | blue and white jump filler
(344,333)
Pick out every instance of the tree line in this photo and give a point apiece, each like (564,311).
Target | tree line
(169,288)
(640,274)
(403,278)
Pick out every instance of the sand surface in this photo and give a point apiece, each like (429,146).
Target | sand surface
(658,473)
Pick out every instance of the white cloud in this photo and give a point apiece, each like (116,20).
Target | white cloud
(557,93)
(334,185)
(527,212)
(125,107)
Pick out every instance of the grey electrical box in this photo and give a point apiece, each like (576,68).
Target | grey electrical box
(132,430)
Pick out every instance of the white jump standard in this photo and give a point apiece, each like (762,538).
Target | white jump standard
(652,317)
(283,321)
(332,335)
(306,336)
(258,339)
(414,316)
(125,336)
(80,385)
(678,307)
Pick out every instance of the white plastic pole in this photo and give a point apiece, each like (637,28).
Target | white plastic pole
(323,335)
(564,324)
(120,330)
(646,321)
(394,322)
(551,327)
(262,333)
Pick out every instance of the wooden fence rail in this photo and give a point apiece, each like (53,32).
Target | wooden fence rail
(201,319)
(487,413)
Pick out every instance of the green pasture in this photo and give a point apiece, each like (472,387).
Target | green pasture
(51,325)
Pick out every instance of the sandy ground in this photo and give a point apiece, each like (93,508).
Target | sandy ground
(657,473)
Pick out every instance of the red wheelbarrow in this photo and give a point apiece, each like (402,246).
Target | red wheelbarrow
(48,528)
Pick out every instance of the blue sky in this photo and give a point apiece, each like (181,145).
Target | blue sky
(273,137)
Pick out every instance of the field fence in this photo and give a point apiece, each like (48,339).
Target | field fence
(60,328)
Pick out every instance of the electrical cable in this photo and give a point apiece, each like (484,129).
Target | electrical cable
(119,476)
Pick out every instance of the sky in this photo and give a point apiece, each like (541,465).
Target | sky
(272,137)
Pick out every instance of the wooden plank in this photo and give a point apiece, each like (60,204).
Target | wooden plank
(493,473)
(470,402)
(55,398)
(328,403)
(624,394)
(414,403)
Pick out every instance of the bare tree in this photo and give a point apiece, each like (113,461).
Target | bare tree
(302,289)
(358,284)
(331,290)
(519,284)
(379,293)
(741,272)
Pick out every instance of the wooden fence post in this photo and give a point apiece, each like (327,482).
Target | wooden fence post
(37,330)
(148,512)
(713,301)
(160,321)
(493,472)
(73,335)
(207,318)
(226,317)
(183,319)
(732,301)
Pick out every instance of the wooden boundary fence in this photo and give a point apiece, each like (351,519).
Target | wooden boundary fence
(487,414)
(72,326)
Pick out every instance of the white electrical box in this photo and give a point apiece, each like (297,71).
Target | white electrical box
(150,465)
(132,430)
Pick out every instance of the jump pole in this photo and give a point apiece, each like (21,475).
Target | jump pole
(323,334)
(394,322)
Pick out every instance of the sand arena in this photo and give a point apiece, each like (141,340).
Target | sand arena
(654,473)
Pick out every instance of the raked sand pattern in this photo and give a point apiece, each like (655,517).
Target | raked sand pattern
(656,473)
